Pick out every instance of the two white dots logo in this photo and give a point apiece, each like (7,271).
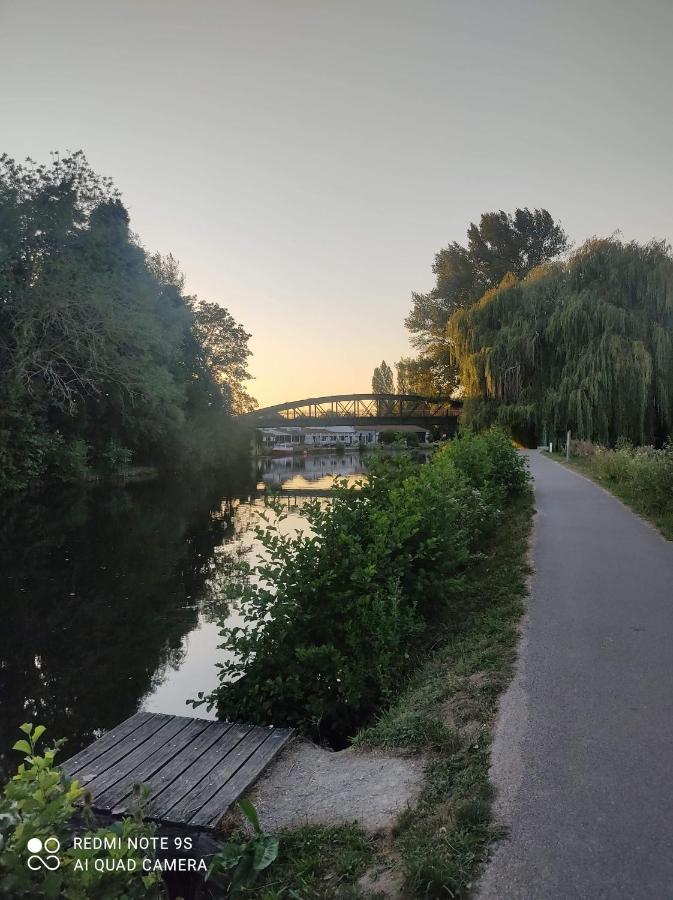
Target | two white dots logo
(50,846)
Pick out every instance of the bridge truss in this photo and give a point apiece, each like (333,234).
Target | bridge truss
(358,409)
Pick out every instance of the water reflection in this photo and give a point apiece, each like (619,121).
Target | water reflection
(99,588)
(111,594)
(315,471)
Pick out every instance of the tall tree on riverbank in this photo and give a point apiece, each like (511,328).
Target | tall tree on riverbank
(585,345)
(501,243)
(383,381)
(98,341)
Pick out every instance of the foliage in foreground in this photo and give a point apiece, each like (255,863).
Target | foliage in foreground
(346,606)
(39,803)
(585,345)
(102,352)
(319,863)
(245,860)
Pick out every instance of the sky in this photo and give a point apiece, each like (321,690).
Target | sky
(305,159)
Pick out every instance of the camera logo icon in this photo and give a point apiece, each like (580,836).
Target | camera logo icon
(48,848)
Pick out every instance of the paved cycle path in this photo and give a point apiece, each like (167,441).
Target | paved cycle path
(583,752)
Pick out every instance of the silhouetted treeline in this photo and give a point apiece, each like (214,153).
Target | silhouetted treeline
(104,359)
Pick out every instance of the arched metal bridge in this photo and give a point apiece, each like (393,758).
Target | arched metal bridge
(359,409)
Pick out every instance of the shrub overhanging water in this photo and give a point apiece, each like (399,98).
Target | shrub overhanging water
(346,605)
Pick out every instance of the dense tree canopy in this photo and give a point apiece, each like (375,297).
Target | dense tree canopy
(383,381)
(500,244)
(98,341)
(424,375)
(585,345)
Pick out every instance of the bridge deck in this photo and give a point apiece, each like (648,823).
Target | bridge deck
(196,768)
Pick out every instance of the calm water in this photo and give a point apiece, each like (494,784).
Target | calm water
(111,594)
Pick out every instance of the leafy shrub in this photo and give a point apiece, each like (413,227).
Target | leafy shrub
(390,437)
(71,460)
(115,458)
(40,801)
(651,477)
(583,449)
(489,461)
(613,465)
(645,472)
(24,447)
(37,803)
(344,606)
(247,858)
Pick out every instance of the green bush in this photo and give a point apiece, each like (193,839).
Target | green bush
(40,801)
(70,460)
(389,437)
(647,472)
(489,461)
(345,604)
(37,803)
(25,446)
(115,458)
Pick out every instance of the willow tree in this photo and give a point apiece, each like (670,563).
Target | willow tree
(585,345)
(500,243)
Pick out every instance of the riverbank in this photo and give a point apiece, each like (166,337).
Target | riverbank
(430,542)
(444,719)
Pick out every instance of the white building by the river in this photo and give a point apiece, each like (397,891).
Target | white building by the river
(290,437)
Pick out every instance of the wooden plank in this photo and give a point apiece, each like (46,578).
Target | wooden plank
(151,764)
(212,811)
(218,776)
(170,804)
(180,762)
(116,753)
(105,742)
(133,759)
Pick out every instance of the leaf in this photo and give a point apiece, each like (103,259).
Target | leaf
(229,856)
(22,747)
(27,727)
(244,876)
(249,811)
(266,851)
(37,734)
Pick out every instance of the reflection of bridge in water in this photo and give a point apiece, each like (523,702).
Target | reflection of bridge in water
(360,409)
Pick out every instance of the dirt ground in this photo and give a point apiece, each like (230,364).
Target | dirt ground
(308,785)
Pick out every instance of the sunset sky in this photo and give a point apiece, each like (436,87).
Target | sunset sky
(305,159)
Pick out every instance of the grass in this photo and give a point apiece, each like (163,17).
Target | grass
(319,863)
(446,711)
(660,518)
(449,709)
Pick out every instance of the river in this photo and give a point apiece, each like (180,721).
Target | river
(111,593)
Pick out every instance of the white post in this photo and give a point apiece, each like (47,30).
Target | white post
(568,445)
(550,447)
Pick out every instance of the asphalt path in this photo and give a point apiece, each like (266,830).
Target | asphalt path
(583,752)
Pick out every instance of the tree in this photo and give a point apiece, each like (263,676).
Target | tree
(224,353)
(98,341)
(500,244)
(424,376)
(382,380)
(585,345)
